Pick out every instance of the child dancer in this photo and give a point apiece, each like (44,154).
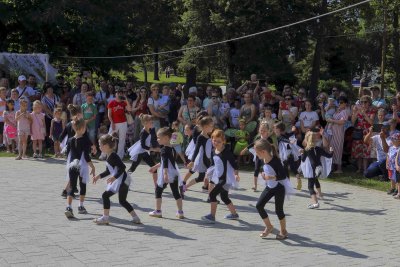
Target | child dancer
(391,162)
(147,142)
(314,165)
(288,150)
(24,120)
(277,185)
(168,173)
(56,128)
(10,126)
(177,140)
(38,129)
(78,159)
(118,182)
(224,175)
(258,163)
(200,160)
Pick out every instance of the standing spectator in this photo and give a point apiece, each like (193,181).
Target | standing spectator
(188,113)
(80,98)
(139,107)
(308,118)
(287,113)
(131,94)
(101,101)
(89,111)
(111,93)
(65,94)
(207,100)
(5,83)
(362,118)
(116,115)
(3,107)
(25,91)
(174,105)
(248,112)
(14,96)
(336,125)
(336,93)
(77,86)
(33,84)
(59,87)
(49,103)
(217,112)
(300,100)
(377,101)
(153,104)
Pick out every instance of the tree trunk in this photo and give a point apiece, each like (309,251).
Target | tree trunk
(396,48)
(191,76)
(145,72)
(231,50)
(317,53)
(156,67)
(384,45)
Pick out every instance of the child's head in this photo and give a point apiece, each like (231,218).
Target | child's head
(14,94)
(206,124)
(23,104)
(224,98)
(175,125)
(37,106)
(311,140)
(268,112)
(263,130)
(90,97)
(165,90)
(264,149)
(381,115)
(108,142)
(242,124)
(75,111)
(10,105)
(79,126)
(395,138)
(331,100)
(164,136)
(57,113)
(218,139)
(103,129)
(279,128)
(188,131)
(3,92)
(237,103)
(146,120)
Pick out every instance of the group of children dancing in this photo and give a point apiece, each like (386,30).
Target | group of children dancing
(209,155)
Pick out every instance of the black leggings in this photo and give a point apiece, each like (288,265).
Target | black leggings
(311,183)
(219,190)
(266,195)
(257,165)
(73,180)
(292,164)
(174,188)
(146,158)
(122,194)
(201,177)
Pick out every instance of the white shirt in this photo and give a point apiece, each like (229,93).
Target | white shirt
(308,118)
(380,154)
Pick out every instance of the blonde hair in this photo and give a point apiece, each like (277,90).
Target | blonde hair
(145,118)
(36,103)
(109,139)
(310,142)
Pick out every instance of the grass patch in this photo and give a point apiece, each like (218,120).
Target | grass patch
(350,178)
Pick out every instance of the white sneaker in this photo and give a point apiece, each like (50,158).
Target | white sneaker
(155,213)
(101,220)
(313,206)
(136,220)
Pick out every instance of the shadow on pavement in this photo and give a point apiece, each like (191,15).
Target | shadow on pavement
(369,212)
(296,240)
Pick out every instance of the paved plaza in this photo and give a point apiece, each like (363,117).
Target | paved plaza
(353,226)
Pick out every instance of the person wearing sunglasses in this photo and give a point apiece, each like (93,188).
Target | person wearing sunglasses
(362,117)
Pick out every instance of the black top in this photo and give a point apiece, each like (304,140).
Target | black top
(153,138)
(168,154)
(276,164)
(77,146)
(196,133)
(226,156)
(70,132)
(201,142)
(315,155)
(115,161)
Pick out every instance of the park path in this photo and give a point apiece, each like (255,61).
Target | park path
(353,226)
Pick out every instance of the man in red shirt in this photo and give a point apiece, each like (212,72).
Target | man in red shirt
(116,115)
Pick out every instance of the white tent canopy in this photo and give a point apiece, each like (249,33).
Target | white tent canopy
(24,64)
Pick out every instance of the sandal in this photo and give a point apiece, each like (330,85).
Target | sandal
(254,189)
(266,232)
(397,196)
(282,237)
(18,158)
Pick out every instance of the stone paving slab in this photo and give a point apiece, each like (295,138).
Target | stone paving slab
(353,226)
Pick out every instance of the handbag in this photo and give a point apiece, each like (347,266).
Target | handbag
(129,118)
(358,134)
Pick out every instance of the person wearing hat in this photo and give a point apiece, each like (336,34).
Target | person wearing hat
(25,91)
(377,101)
